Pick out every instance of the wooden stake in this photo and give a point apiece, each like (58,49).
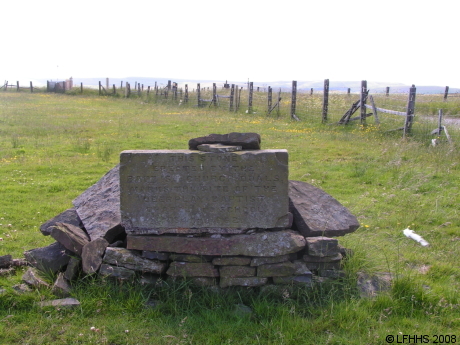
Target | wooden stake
(31,87)
(446,92)
(251,90)
(294,100)
(325,100)
(363,101)
(198,94)
(410,111)
(374,110)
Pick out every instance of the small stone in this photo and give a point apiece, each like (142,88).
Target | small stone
(92,254)
(322,246)
(336,265)
(242,310)
(116,272)
(70,236)
(203,281)
(69,216)
(187,269)
(5,261)
(21,288)
(310,258)
(60,303)
(6,271)
(301,268)
(371,285)
(269,260)
(152,304)
(51,258)
(237,271)
(150,279)
(131,260)
(218,148)
(155,255)
(73,268)
(232,261)
(247,281)
(282,269)
(32,278)
(189,258)
(302,279)
(61,287)
(334,274)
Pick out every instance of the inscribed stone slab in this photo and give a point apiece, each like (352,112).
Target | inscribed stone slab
(174,189)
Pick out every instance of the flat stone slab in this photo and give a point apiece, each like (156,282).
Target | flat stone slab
(131,260)
(232,261)
(322,246)
(32,278)
(70,236)
(242,281)
(99,207)
(192,269)
(316,213)
(282,269)
(69,216)
(92,254)
(183,189)
(50,258)
(60,303)
(248,141)
(116,272)
(218,148)
(237,271)
(271,244)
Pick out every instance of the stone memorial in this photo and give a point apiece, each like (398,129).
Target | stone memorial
(221,213)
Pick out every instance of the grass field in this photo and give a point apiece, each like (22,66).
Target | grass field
(53,147)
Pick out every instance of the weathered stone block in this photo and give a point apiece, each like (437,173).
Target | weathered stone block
(167,190)
(246,281)
(69,216)
(282,269)
(316,213)
(218,148)
(310,258)
(61,287)
(322,246)
(275,243)
(60,303)
(32,278)
(70,236)
(50,258)
(99,207)
(155,255)
(5,261)
(301,268)
(334,274)
(92,254)
(131,260)
(269,260)
(73,268)
(237,271)
(189,258)
(189,269)
(248,141)
(116,272)
(334,265)
(232,261)
(302,279)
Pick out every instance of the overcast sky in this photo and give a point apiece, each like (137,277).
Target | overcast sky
(406,41)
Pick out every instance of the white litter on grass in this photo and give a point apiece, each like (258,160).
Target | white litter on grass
(411,234)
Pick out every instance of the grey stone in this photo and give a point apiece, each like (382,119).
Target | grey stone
(131,260)
(32,278)
(2,291)
(248,141)
(182,189)
(310,258)
(92,254)
(67,303)
(282,269)
(6,261)
(322,246)
(346,252)
(19,262)
(316,213)
(6,271)
(203,281)
(61,287)
(155,255)
(189,258)
(245,281)
(218,148)
(269,260)
(50,258)
(232,261)
(275,243)
(301,268)
(99,207)
(237,271)
(334,265)
(116,272)
(69,216)
(118,243)
(333,274)
(152,304)
(189,269)
(70,236)
(242,310)
(22,288)
(298,279)
(73,268)
(370,286)
(150,279)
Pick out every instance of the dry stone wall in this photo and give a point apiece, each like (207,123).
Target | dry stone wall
(222,214)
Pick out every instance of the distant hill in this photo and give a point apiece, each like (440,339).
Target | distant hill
(316,85)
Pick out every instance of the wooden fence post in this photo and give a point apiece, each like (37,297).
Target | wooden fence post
(446,92)
(121,85)
(251,90)
(387,91)
(348,91)
(81,87)
(269,100)
(325,100)
(139,90)
(410,111)
(17,86)
(311,91)
(198,94)
(236,100)
(363,97)
(214,94)
(100,88)
(186,94)
(374,110)
(114,89)
(31,87)
(232,94)
(294,100)
(47,86)
(107,84)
